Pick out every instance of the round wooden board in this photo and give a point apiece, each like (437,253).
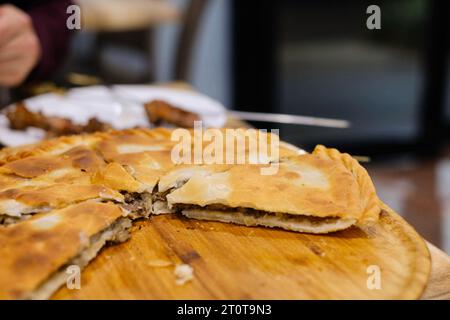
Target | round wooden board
(235,262)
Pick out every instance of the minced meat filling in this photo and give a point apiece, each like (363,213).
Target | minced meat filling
(161,196)
(137,203)
(254,212)
(6,220)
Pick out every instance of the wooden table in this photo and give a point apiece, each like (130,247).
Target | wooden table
(236,262)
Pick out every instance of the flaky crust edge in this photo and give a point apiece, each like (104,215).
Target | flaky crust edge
(371,204)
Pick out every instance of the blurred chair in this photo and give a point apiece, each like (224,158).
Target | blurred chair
(186,40)
(128,24)
(4,97)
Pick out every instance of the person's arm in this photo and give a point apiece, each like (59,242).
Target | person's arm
(49,21)
(19,46)
(33,40)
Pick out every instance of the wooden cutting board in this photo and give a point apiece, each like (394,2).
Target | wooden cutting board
(235,262)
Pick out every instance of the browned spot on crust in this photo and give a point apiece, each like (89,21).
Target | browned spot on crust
(17,294)
(384,214)
(24,261)
(9,194)
(84,159)
(291,175)
(34,166)
(40,236)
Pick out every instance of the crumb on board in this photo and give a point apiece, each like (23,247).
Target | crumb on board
(159,263)
(183,274)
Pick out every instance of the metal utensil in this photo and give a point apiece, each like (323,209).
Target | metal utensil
(290,119)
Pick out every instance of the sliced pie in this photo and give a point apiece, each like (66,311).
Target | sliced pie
(44,182)
(37,252)
(77,193)
(306,194)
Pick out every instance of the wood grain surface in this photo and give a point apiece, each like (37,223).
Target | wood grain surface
(438,286)
(235,262)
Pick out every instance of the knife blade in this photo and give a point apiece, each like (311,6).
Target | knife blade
(290,119)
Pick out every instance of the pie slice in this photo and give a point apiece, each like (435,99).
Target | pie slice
(54,147)
(72,164)
(306,194)
(37,252)
(122,166)
(63,199)
(44,182)
(20,204)
(137,195)
(136,161)
(175,179)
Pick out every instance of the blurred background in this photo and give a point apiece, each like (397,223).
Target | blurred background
(313,58)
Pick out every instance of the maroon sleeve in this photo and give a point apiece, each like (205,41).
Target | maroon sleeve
(49,21)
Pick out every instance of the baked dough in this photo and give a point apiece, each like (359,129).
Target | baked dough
(36,252)
(306,191)
(40,183)
(63,199)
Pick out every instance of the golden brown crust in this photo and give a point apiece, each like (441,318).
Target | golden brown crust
(115,176)
(144,154)
(370,203)
(136,159)
(56,195)
(33,167)
(78,159)
(34,249)
(75,173)
(47,147)
(307,185)
(44,182)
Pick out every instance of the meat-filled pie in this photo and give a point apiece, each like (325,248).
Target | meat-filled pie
(61,200)
(37,252)
(318,193)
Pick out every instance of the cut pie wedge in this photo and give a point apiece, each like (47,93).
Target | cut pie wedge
(37,252)
(306,194)
(44,182)
(19,204)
